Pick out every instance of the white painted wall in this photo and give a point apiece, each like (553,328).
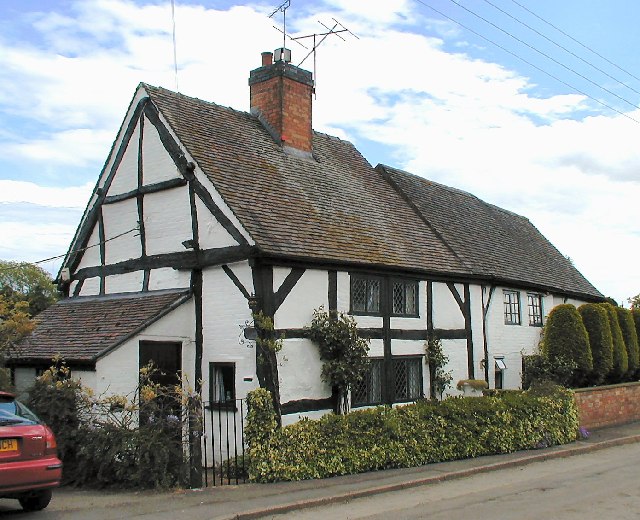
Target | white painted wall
(456,350)
(211,233)
(91,255)
(90,287)
(157,165)
(446,312)
(299,370)
(169,278)
(225,313)
(124,283)
(121,243)
(309,294)
(167,220)
(126,178)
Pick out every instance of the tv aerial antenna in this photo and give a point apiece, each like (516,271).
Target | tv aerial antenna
(333,29)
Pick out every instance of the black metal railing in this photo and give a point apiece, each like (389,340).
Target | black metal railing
(223,443)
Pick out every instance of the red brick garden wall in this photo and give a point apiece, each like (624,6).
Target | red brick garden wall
(608,405)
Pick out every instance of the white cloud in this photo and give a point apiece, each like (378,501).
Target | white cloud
(451,117)
(52,197)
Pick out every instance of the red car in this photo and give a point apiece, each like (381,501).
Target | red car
(29,464)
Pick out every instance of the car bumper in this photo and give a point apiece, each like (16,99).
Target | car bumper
(29,475)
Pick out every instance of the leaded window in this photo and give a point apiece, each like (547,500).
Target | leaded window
(512,307)
(534,305)
(369,390)
(365,295)
(407,373)
(405,298)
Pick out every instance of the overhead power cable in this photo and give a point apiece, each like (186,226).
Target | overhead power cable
(569,51)
(576,41)
(533,48)
(552,76)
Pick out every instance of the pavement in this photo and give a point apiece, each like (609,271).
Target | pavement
(249,501)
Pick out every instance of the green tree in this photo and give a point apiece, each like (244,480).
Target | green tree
(620,358)
(596,321)
(15,324)
(344,353)
(628,328)
(566,339)
(22,281)
(634,301)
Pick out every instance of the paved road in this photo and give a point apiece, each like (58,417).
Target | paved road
(600,485)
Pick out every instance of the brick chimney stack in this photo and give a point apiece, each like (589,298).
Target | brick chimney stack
(280,95)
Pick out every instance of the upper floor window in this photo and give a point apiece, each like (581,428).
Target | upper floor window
(405,298)
(512,307)
(534,305)
(368,293)
(365,295)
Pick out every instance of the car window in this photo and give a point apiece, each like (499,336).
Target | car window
(14,412)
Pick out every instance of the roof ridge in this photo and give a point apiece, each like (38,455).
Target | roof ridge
(382,168)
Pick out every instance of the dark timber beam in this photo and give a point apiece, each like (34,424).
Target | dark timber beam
(144,190)
(287,285)
(180,260)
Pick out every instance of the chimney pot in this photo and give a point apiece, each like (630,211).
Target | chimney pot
(267,59)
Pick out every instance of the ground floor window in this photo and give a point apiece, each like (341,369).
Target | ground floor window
(222,382)
(406,382)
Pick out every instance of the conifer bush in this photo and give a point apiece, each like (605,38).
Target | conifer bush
(620,357)
(566,338)
(596,321)
(630,338)
(636,321)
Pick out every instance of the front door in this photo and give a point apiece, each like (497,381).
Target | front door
(166,358)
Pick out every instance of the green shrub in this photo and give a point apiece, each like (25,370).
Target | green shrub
(596,321)
(133,441)
(620,357)
(630,338)
(538,370)
(416,434)
(636,321)
(565,338)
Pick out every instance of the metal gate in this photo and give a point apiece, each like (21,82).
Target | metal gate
(223,443)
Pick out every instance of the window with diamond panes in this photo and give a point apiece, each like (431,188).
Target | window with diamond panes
(407,375)
(369,390)
(512,307)
(534,304)
(405,298)
(365,295)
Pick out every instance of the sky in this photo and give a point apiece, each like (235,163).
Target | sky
(531,105)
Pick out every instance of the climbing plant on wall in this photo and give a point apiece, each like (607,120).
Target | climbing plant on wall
(344,353)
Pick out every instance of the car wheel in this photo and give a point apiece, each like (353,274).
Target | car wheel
(36,501)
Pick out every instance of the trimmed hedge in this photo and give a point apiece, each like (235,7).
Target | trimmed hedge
(620,357)
(628,329)
(413,435)
(596,321)
(566,338)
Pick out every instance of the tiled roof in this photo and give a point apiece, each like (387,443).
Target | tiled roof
(82,329)
(335,207)
(490,241)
